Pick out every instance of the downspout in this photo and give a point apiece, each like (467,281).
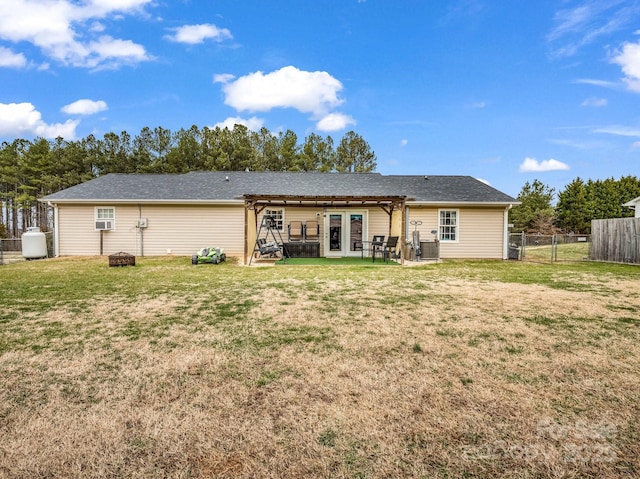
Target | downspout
(403,229)
(407,219)
(246,247)
(141,230)
(406,222)
(56,246)
(505,241)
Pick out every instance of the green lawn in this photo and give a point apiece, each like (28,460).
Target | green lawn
(347,261)
(459,369)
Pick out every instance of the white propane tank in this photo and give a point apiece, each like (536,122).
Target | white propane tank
(34,244)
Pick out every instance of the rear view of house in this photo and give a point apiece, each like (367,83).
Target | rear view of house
(326,214)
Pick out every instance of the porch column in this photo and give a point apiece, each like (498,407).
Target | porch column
(250,229)
(397,216)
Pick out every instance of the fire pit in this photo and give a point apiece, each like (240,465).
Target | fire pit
(122,259)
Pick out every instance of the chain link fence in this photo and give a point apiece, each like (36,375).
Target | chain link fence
(549,248)
(11,249)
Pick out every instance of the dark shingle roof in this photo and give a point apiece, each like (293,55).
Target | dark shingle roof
(234,185)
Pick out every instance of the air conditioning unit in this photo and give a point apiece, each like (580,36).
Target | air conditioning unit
(104,225)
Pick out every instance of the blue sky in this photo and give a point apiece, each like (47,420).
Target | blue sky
(505,91)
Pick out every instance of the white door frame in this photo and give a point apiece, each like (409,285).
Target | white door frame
(345,232)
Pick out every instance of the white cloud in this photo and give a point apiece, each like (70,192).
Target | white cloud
(65,30)
(404,142)
(103,7)
(618,130)
(629,59)
(97,27)
(223,77)
(11,60)
(109,52)
(586,22)
(635,145)
(289,87)
(478,105)
(335,122)
(193,34)
(531,164)
(17,119)
(580,144)
(594,101)
(315,93)
(601,83)
(253,123)
(84,107)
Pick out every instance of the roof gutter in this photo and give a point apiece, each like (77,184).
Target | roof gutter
(464,203)
(141,201)
(291,200)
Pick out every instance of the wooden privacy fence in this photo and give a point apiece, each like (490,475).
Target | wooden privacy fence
(616,240)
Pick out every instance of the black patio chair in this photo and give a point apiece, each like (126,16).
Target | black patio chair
(377,245)
(389,250)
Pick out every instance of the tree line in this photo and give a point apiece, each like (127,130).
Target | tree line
(32,169)
(577,204)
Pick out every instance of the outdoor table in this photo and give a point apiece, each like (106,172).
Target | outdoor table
(371,247)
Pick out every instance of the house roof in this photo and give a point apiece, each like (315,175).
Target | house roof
(218,186)
(633,203)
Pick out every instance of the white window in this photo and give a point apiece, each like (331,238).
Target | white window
(278,217)
(105,218)
(448,225)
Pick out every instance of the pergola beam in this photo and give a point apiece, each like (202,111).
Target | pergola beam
(324,201)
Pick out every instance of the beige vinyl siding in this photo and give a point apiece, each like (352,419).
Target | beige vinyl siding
(378,223)
(185,229)
(77,234)
(172,229)
(480,231)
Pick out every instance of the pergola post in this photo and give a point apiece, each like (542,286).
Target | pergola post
(397,225)
(250,230)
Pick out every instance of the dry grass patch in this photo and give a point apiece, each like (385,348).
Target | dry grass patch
(308,372)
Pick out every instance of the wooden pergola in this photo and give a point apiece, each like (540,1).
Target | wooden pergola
(394,206)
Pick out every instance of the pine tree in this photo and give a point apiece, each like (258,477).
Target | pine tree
(354,155)
(571,210)
(536,211)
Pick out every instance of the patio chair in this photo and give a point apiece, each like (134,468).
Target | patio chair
(389,250)
(312,231)
(376,245)
(295,231)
